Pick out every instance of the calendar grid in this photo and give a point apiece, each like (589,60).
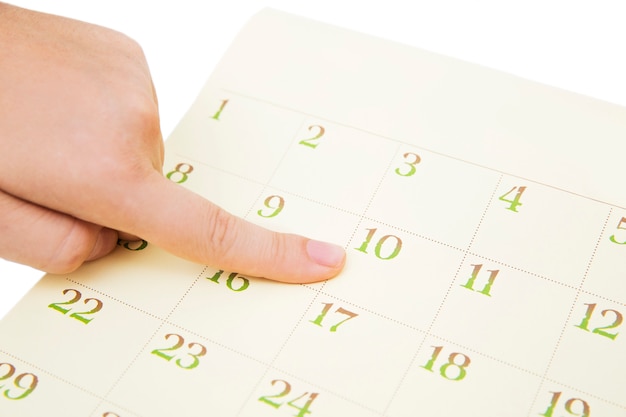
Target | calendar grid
(467,252)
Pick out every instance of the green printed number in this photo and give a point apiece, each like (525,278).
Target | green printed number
(514,202)
(410,161)
(452,369)
(312,142)
(217,114)
(472,280)
(602,331)
(278,400)
(180,173)
(392,249)
(275,204)
(620,226)
(79,315)
(190,357)
(242,282)
(342,311)
(574,406)
(16,387)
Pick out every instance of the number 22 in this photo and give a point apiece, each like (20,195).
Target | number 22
(80,315)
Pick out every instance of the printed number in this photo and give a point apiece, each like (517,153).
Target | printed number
(447,369)
(515,202)
(378,249)
(180,173)
(574,406)
(487,288)
(313,141)
(230,281)
(180,341)
(216,116)
(340,310)
(79,315)
(274,401)
(602,331)
(410,160)
(275,203)
(620,226)
(26,383)
(133,245)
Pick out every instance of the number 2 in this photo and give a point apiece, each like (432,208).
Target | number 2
(313,141)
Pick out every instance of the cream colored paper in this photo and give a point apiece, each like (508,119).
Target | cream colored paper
(485,227)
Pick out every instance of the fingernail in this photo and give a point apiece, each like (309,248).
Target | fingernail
(325,254)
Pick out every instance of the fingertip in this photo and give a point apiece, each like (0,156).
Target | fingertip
(326,254)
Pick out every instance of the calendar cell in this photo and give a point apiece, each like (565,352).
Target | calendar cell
(357,353)
(285,212)
(343,169)
(529,226)
(248,138)
(448,380)
(237,322)
(70,338)
(176,367)
(213,184)
(168,275)
(440,198)
(407,288)
(497,320)
(593,342)
(25,389)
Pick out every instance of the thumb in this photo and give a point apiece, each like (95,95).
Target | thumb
(187,225)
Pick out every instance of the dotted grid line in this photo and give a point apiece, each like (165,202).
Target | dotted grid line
(445,297)
(143,348)
(569,314)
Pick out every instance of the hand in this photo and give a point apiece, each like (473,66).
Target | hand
(81,155)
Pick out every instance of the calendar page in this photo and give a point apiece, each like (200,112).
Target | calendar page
(484,219)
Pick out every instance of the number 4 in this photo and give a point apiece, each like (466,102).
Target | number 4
(515,201)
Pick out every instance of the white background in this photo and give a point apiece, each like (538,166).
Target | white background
(573,44)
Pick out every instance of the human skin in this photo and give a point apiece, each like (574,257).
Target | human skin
(81,155)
